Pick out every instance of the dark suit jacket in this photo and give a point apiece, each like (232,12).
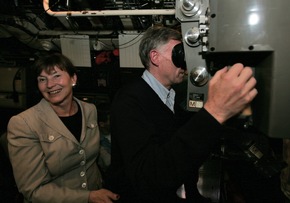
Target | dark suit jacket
(153,150)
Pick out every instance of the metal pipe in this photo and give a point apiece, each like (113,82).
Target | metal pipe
(86,13)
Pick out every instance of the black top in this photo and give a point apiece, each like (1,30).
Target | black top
(74,123)
(155,151)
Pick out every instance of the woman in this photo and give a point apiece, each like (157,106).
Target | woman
(53,145)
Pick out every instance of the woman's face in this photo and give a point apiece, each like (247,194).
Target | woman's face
(56,86)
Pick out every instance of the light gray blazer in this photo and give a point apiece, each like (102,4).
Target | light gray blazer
(49,164)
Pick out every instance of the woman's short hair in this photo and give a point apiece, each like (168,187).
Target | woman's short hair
(49,61)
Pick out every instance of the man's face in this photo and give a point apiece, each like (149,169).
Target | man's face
(168,73)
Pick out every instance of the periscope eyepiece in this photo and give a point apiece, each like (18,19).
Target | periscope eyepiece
(178,56)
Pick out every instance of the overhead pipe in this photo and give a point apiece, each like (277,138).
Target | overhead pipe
(86,13)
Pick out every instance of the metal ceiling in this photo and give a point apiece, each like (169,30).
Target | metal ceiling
(37,24)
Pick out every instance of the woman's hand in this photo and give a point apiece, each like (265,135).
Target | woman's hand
(102,196)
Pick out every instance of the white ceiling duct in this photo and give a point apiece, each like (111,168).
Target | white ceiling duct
(86,13)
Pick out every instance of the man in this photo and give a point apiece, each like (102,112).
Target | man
(154,151)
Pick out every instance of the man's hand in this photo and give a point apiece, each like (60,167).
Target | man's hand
(230,91)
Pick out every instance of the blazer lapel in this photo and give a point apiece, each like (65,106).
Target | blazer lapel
(51,119)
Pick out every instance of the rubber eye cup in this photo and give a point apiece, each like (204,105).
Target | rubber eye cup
(178,56)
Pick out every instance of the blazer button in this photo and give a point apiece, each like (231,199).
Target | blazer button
(82,163)
(51,138)
(84,185)
(82,174)
(81,151)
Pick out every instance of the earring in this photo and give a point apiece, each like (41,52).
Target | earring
(73,84)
